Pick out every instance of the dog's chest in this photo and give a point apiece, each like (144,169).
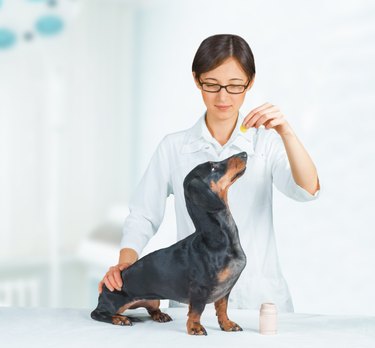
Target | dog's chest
(226,278)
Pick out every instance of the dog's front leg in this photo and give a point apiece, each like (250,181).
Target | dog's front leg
(222,317)
(193,324)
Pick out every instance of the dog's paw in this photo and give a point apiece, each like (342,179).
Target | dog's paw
(121,320)
(196,329)
(229,326)
(160,317)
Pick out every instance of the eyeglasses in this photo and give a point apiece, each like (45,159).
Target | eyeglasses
(215,88)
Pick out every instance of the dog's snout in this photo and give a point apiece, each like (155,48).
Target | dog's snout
(243,156)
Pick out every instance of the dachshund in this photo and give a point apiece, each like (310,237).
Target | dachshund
(199,269)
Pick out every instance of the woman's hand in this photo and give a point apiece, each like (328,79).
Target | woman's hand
(269,116)
(112,278)
(302,167)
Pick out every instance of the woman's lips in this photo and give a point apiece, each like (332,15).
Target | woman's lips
(223,107)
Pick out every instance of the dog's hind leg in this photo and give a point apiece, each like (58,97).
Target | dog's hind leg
(194,327)
(222,317)
(152,307)
(110,304)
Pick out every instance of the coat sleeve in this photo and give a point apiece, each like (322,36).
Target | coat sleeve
(281,172)
(147,205)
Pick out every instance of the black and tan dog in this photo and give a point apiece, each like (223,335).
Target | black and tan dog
(200,269)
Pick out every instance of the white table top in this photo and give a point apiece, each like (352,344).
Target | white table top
(42,327)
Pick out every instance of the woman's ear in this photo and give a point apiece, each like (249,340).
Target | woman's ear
(251,83)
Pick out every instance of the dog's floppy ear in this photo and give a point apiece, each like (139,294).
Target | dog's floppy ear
(199,193)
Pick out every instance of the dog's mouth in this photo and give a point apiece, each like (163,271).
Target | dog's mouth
(239,174)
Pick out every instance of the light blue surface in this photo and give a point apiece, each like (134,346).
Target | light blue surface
(7,38)
(49,25)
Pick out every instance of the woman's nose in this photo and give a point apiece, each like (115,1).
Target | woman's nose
(222,94)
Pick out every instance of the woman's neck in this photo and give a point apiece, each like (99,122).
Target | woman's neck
(221,129)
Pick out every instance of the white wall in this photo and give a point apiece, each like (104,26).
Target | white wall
(82,113)
(65,124)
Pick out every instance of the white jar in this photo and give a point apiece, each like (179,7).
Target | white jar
(268,319)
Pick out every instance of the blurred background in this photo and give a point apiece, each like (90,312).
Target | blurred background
(88,88)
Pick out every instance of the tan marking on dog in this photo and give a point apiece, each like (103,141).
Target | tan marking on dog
(121,320)
(222,317)
(148,304)
(235,165)
(223,275)
(151,305)
(217,188)
(126,306)
(193,325)
(221,309)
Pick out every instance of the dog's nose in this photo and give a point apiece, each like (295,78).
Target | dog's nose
(243,155)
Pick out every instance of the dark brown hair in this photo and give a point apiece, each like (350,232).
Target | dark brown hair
(214,50)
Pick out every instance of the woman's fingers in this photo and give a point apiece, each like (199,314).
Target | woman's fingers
(109,280)
(118,279)
(270,117)
(113,279)
(259,115)
(266,118)
(274,122)
(254,114)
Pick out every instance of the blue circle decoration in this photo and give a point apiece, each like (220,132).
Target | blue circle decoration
(1,3)
(49,25)
(7,38)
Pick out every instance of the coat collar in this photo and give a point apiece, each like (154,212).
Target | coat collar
(198,136)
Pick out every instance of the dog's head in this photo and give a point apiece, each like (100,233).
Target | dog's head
(206,186)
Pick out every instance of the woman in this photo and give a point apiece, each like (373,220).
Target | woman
(224,70)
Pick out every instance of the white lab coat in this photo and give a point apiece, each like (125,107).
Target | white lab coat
(249,199)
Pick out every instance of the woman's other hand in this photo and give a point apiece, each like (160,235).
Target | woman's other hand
(112,278)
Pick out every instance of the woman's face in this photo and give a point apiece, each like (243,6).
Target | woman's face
(222,105)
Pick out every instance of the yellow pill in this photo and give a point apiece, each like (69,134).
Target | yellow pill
(243,129)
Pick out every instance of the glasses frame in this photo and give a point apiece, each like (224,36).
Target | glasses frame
(222,86)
